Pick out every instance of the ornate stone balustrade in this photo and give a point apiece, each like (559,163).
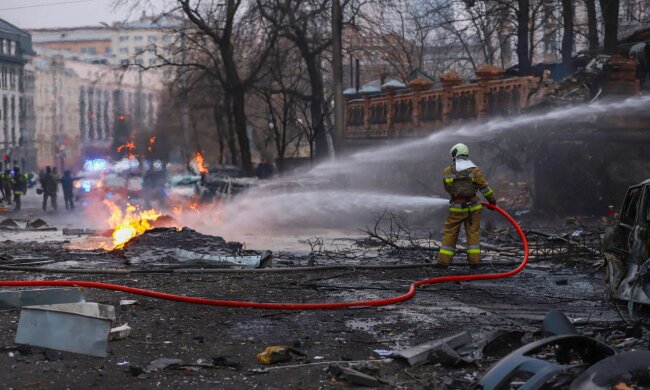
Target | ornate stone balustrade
(420,110)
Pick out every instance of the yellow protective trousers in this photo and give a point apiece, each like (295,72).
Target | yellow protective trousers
(470,216)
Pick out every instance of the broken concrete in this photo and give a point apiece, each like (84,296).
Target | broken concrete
(119,333)
(420,354)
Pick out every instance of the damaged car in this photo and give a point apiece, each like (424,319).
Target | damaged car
(627,248)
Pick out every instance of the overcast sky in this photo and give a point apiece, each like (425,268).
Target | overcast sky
(63,13)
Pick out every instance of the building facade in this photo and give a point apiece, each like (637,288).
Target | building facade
(94,40)
(78,107)
(142,42)
(16,93)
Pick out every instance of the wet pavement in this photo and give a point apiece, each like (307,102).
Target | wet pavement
(201,334)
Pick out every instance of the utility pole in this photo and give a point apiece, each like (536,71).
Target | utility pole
(337,73)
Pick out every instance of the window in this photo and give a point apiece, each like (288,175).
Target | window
(151,48)
(138,37)
(12,48)
(152,38)
(138,61)
(124,62)
(89,50)
(124,50)
(124,38)
(107,50)
(152,61)
(139,50)
(631,206)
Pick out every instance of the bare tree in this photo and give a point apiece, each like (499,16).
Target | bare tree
(592,25)
(304,23)
(231,29)
(283,90)
(610,10)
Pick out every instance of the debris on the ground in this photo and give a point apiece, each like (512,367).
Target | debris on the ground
(497,342)
(384,352)
(9,223)
(354,377)
(12,299)
(162,364)
(79,232)
(37,224)
(119,333)
(555,323)
(558,358)
(128,302)
(277,354)
(184,255)
(631,367)
(72,327)
(171,245)
(420,354)
(533,362)
(222,361)
(18,225)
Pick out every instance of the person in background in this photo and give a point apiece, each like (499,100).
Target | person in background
(264,170)
(50,188)
(67,185)
(19,186)
(5,184)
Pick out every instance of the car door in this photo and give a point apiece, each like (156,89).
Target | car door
(629,218)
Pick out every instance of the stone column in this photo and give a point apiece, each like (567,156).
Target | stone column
(449,80)
(485,74)
(418,86)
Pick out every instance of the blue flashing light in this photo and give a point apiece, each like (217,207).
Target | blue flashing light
(96,165)
(86,185)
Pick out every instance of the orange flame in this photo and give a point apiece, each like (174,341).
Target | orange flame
(200,163)
(130,223)
(129,146)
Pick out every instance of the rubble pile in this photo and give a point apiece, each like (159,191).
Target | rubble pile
(171,246)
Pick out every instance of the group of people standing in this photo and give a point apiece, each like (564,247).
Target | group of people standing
(49,181)
(13,182)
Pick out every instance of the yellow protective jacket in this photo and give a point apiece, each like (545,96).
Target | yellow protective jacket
(477,178)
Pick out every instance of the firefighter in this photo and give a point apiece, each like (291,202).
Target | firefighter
(462,179)
(6,183)
(19,186)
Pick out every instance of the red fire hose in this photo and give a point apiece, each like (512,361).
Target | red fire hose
(288,306)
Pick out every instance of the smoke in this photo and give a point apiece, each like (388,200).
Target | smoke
(350,191)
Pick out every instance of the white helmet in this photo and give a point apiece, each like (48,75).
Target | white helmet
(459,150)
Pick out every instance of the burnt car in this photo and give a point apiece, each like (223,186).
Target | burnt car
(627,248)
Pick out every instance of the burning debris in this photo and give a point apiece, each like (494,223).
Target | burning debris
(172,245)
(130,223)
(198,163)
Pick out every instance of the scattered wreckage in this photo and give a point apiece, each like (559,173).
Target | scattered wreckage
(627,248)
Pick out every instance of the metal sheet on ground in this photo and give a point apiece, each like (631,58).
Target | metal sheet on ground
(50,326)
(10,300)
